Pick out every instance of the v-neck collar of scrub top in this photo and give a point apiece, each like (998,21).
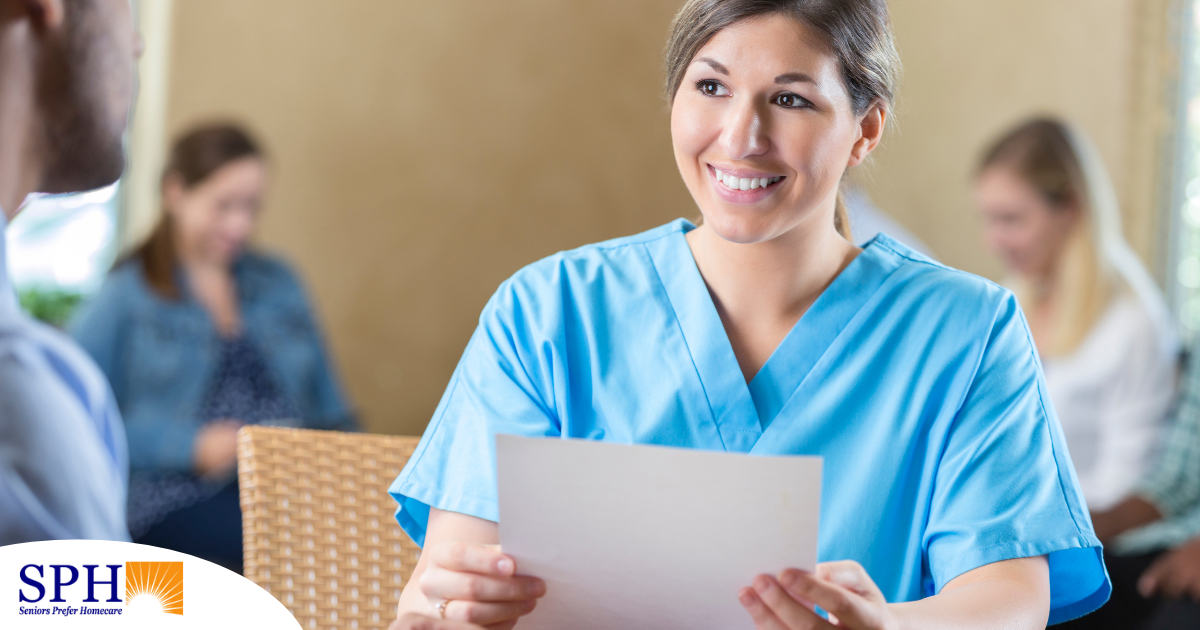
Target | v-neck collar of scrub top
(744,411)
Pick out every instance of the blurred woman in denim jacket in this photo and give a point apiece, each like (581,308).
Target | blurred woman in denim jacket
(200,336)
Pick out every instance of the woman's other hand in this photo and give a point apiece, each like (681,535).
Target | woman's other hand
(413,621)
(479,584)
(215,450)
(843,589)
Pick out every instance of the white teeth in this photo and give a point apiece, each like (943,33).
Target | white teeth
(743,183)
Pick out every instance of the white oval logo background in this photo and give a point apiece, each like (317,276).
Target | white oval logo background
(211,595)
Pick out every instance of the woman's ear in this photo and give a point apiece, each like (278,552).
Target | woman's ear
(870,129)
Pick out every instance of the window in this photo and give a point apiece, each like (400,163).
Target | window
(1184,225)
(59,249)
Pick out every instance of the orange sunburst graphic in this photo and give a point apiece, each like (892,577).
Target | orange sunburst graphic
(161,580)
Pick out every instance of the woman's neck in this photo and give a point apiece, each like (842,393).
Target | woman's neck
(200,267)
(1043,287)
(761,290)
(214,287)
(780,277)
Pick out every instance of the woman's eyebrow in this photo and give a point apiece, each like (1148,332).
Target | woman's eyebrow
(783,79)
(793,77)
(715,65)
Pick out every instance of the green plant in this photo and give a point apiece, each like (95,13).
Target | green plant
(52,306)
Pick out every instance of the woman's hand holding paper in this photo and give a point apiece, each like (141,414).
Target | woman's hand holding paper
(479,584)
(1016,591)
(413,621)
(843,589)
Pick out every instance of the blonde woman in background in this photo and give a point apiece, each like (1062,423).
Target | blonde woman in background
(1098,320)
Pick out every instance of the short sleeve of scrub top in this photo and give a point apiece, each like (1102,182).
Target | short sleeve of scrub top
(902,370)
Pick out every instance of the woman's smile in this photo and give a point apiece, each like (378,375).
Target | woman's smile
(743,187)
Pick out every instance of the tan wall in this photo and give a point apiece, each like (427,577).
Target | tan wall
(427,150)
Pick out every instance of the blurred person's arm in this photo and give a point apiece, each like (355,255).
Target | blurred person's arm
(333,412)
(1176,573)
(102,327)
(1124,516)
(1173,486)
(215,452)
(336,414)
(158,444)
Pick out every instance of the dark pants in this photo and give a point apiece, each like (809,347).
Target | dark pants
(210,529)
(1128,610)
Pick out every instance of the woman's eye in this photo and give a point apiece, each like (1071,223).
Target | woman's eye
(788,100)
(708,87)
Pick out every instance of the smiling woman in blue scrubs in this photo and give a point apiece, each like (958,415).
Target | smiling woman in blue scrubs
(949,500)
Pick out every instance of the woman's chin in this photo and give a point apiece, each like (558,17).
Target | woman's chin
(743,230)
(224,255)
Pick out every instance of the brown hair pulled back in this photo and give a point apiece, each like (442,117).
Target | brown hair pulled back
(194,157)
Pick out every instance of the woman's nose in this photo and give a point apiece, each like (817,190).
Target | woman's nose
(745,132)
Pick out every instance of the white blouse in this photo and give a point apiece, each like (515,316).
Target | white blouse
(1113,395)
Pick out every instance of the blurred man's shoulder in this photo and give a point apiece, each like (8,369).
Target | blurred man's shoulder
(35,357)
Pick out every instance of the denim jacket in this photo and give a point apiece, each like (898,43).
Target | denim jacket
(161,356)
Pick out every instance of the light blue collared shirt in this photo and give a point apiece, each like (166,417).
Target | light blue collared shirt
(63,459)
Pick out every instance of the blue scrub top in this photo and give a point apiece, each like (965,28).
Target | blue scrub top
(918,384)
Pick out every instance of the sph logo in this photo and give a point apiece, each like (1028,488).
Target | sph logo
(157,583)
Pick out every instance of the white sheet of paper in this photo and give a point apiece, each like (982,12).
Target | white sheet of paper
(643,537)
